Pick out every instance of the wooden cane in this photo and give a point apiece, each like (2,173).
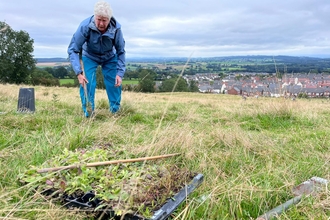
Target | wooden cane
(83,72)
(95,164)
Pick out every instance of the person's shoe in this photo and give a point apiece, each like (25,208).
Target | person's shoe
(114,110)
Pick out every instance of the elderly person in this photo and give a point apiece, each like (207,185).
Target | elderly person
(99,41)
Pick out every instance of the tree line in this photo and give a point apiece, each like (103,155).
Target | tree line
(170,83)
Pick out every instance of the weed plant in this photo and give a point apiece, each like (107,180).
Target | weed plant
(251,152)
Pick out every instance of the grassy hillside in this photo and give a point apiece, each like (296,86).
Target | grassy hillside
(252,152)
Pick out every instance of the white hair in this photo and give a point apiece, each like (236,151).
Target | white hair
(103,9)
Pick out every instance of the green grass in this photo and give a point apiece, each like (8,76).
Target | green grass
(130,82)
(251,152)
(66,81)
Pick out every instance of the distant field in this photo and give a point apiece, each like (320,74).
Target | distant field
(130,82)
(236,68)
(52,64)
(66,81)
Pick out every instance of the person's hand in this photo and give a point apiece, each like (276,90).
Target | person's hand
(82,79)
(118,81)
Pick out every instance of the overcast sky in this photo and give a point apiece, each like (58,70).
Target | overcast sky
(183,28)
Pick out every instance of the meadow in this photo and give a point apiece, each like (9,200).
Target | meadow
(251,152)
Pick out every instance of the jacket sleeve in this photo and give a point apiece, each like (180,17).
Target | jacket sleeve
(121,54)
(75,47)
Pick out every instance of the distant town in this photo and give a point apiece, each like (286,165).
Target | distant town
(290,85)
(247,76)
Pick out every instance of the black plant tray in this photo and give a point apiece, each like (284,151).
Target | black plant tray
(89,203)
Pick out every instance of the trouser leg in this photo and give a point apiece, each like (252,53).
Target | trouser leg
(109,70)
(90,73)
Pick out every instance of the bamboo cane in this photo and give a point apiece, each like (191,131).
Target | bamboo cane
(84,85)
(95,164)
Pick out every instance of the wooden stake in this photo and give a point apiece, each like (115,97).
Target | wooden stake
(84,74)
(95,164)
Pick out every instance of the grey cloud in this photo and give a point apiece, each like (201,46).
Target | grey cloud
(180,27)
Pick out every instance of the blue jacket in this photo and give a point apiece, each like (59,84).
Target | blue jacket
(97,46)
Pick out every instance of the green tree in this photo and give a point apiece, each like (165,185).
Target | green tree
(193,86)
(44,78)
(147,80)
(60,72)
(16,59)
(72,75)
(129,74)
(175,85)
(50,70)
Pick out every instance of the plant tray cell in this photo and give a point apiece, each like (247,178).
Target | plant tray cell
(88,203)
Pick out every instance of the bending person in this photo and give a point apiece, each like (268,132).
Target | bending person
(99,41)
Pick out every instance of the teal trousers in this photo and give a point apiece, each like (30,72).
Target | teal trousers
(109,72)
